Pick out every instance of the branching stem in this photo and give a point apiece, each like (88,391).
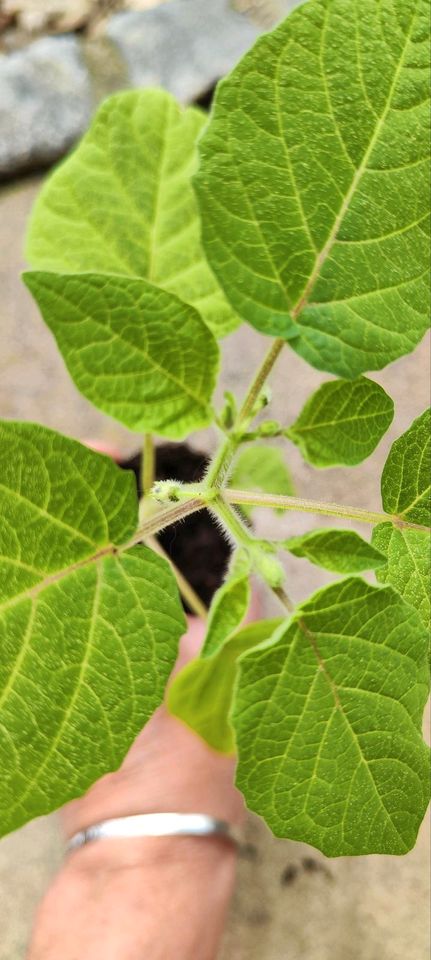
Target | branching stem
(165,518)
(219,467)
(314,506)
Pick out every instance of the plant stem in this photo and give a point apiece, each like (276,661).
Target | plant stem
(186,590)
(165,518)
(220,465)
(314,506)
(233,523)
(284,599)
(258,382)
(148,464)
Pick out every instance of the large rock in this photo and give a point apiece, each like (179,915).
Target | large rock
(184,46)
(45,103)
(49,89)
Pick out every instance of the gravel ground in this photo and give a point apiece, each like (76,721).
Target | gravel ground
(369,908)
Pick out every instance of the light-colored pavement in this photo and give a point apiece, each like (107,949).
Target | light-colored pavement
(291,903)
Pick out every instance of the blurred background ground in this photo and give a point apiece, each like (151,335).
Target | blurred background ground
(291,903)
(23,20)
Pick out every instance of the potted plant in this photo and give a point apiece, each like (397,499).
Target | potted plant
(299,208)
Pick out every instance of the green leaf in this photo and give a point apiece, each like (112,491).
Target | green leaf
(261,468)
(328,723)
(123,203)
(342,551)
(342,422)
(408,566)
(406,475)
(89,628)
(137,352)
(314,187)
(201,693)
(229,605)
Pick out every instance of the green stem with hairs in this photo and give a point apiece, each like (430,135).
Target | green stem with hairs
(301,505)
(219,467)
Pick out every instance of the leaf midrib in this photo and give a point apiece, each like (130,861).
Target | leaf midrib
(359,172)
(32,592)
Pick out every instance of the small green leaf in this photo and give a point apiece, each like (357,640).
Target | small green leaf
(201,693)
(328,723)
(408,566)
(89,628)
(229,605)
(123,203)
(342,422)
(406,475)
(137,352)
(314,185)
(261,468)
(342,551)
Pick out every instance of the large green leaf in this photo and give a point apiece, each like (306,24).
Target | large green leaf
(408,566)
(229,604)
(89,628)
(406,477)
(261,468)
(342,551)
(313,183)
(201,694)
(136,351)
(342,422)
(123,203)
(328,723)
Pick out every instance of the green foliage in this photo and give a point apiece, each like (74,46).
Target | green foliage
(408,566)
(406,478)
(123,203)
(314,170)
(311,197)
(229,605)
(121,338)
(201,694)
(328,723)
(342,422)
(342,551)
(89,627)
(263,468)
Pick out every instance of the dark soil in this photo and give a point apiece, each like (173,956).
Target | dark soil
(196,545)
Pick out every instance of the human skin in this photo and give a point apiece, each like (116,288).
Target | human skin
(148,898)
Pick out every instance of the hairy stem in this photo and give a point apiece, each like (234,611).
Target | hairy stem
(186,590)
(259,381)
(233,523)
(165,518)
(220,465)
(314,506)
(148,464)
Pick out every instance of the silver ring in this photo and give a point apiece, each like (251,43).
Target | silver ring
(156,825)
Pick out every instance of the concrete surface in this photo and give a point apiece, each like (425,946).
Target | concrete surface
(291,903)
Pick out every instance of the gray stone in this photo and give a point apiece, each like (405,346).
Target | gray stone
(48,89)
(45,103)
(183,46)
